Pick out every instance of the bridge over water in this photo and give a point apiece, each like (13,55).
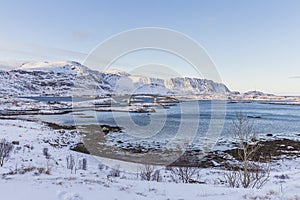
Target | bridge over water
(157,98)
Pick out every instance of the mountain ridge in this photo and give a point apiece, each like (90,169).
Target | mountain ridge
(63,78)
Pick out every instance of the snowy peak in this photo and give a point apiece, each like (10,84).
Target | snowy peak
(64,67)
(116,72)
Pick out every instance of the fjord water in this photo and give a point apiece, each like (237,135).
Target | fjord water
(266,118)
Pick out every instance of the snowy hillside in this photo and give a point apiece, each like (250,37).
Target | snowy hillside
(55,67)
(64,77)
(37,168)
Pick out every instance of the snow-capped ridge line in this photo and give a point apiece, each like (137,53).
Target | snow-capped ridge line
(61,78)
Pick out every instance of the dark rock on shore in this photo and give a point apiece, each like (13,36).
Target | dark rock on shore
(80,147)
(106,129)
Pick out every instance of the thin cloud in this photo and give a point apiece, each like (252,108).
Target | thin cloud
(14,53)
(26,51)
(294,77)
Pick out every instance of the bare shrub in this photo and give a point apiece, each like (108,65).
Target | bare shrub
(115,172)
(232,177)
(101,166)
(184,174)
(156,176)
(260,174)
(146,172)
(71,163)
(243,130)
(48,168)
(25,170)
(46,153)
(82,164)
(5,150)
(257,175)
(250,174)
(40,170)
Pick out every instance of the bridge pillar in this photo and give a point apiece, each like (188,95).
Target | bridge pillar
(155,99)
(129,101)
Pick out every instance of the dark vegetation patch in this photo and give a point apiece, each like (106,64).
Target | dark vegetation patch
(272,150)
(269,150)
(55,126)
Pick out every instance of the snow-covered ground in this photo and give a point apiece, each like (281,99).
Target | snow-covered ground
(8,103)
(28,174)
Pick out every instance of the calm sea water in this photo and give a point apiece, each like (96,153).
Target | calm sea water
(192,116)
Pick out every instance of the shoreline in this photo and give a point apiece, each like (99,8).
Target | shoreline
(272,147)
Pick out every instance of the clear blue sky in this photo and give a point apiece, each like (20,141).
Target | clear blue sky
(255,44)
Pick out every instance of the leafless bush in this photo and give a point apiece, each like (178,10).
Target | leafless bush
(40,170)
(156,176)
(27,169)
(146,172)
(250,174)
(115,172)
(101,166)
(184,174)
(82,164)
(260,174)
(71,163)
(232,178)
(257,175)
(5,150)
(46,153)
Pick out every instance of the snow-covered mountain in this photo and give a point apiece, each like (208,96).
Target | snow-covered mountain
(67,78)
(255,94)
(55,67)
